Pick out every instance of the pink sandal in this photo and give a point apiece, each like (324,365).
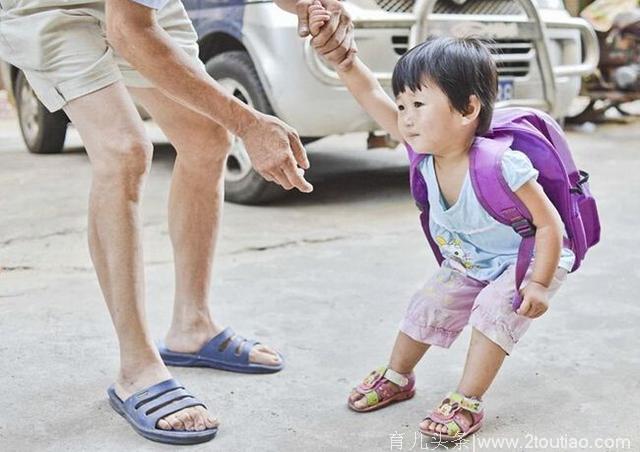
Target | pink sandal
(448,414)
(378,391)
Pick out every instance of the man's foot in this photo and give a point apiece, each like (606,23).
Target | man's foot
(191,340)
(190,419)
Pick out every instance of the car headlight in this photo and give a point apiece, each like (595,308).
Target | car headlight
(549,4)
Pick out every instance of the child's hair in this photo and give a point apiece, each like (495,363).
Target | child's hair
(460,67)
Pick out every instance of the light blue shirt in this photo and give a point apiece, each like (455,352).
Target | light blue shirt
(467,234)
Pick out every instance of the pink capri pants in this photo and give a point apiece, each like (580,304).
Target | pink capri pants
(440,310)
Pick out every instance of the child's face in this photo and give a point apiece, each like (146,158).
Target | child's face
(427,121)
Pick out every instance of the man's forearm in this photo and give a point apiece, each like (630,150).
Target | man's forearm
(152,53)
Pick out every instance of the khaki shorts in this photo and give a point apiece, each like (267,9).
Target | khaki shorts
(61,46)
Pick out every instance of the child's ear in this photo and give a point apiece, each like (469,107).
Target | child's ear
(472,111)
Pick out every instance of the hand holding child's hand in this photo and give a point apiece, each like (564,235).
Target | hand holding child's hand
(318,16)
(535,300)
(337,47)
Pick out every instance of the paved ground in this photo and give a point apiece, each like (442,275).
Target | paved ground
(325,278)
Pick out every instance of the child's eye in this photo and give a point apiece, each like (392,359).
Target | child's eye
(418,104)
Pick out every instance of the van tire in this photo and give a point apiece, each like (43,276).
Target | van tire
(43,132)
(236,72)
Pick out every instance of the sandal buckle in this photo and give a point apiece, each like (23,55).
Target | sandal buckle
(395,377)
(447,408)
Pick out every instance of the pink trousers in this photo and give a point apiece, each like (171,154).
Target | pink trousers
(440,310)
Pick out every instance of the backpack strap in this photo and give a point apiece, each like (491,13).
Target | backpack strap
(421,196)
(495,196)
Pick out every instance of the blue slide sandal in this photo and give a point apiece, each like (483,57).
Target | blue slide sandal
(226,351)
(145,408)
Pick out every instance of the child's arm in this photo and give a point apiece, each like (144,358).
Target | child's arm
(372,98)
(318,16)
(361,82)
(548,243)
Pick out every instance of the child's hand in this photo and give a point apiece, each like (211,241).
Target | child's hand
(318,16)
(535,300)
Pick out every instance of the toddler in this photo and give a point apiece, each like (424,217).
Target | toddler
(444,93)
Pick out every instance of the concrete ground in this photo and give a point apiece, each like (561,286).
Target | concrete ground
(325,278)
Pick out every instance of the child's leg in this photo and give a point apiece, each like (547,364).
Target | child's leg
(496,330)
(484,360)
(406,353)
(404,357)
(436,316)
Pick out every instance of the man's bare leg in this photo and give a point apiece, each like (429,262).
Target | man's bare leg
(195,210)
(120,155)
(484,360)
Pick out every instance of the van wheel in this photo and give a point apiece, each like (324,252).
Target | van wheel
(43,132)
(235,71)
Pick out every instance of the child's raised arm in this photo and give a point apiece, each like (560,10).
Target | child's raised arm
(361,82)
(318,16)
(374,100)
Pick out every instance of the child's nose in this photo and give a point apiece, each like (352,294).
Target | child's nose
(408,120)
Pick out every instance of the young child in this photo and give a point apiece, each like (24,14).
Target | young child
(444,92)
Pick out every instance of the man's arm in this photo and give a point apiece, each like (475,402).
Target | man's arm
(274,147)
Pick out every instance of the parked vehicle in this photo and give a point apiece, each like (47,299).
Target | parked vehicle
(252,49)
(616,81)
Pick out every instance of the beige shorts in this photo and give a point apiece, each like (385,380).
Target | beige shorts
(61,46)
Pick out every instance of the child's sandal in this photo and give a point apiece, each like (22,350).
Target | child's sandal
(377,390)
(449,414)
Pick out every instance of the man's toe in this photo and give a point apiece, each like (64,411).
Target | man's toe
(268,350)
(164,425)
(206,419)
(211,422)
(186,419)
(261,354)
(175,422)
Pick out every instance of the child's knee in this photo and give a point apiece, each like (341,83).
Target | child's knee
(439,311)
(503,327)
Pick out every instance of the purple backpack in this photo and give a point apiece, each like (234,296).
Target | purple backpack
(537,135)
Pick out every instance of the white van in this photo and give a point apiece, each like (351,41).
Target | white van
(253,49)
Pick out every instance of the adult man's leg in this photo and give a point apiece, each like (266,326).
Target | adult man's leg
(120,155)
(195,209)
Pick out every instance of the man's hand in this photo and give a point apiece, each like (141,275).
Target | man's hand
(335,41)
(535,300)
(276,152)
